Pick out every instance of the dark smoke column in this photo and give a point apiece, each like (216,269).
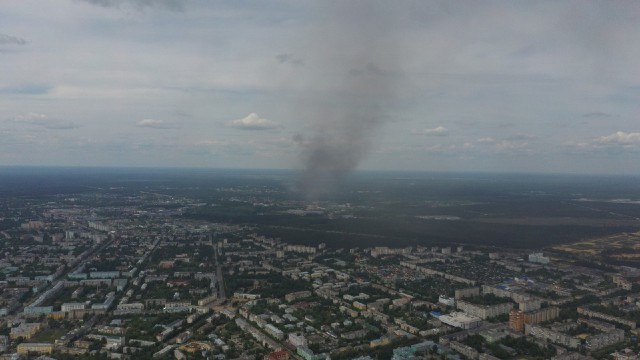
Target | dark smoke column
(356,57)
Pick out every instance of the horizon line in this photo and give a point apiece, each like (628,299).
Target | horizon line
(294,170)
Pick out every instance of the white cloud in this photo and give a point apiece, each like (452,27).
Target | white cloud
(620,138)
(437,131)
(254,122)
(173,5)
(485,140)
(613,143)
(155,124)
(44,121)
(511,144)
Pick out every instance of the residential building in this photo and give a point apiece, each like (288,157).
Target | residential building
(35,348)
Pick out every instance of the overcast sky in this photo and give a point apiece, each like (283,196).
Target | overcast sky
(524,86)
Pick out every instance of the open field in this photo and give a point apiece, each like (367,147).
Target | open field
(618,249)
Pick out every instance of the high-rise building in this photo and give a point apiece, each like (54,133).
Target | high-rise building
(516,320)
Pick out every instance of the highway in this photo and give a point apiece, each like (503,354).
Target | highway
(222,296)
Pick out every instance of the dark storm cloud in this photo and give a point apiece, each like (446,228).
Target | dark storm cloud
(285,58)
(11,40)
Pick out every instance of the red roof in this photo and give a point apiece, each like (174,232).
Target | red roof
(277,355)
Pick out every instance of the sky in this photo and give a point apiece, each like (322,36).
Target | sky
(507,86)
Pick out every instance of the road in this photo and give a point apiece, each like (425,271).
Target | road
(222,295)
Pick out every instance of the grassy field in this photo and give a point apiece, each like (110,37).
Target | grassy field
(49,335)
(622,249)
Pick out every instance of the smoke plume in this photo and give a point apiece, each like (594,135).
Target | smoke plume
(355,58)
